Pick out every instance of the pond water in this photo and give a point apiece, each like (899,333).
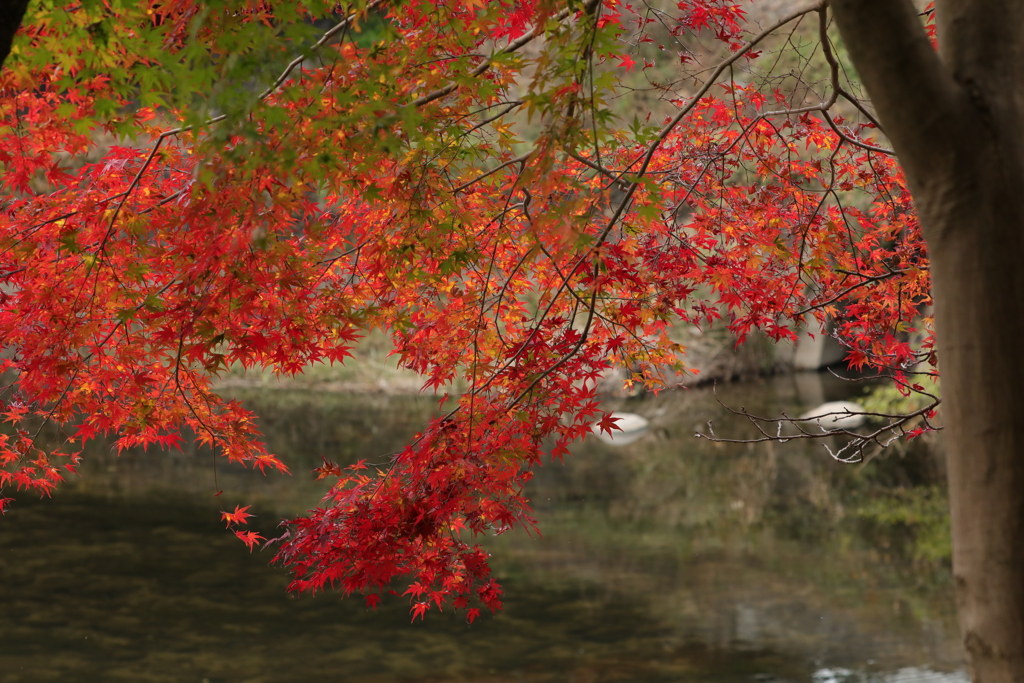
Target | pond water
(667,559)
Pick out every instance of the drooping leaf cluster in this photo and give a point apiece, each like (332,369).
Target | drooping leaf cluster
(189,186)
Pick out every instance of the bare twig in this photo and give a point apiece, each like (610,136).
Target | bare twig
(882,436)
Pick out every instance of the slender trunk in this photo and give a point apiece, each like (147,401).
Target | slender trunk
(11,14)
(955,119)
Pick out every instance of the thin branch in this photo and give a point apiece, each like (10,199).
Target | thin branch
(858,442)
(486,64)
(682,113)
(333,31)
(855,142)
(867,279)
(517,160)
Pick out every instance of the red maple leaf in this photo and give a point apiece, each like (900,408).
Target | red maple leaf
(419,609)
(250,538)
(607,423)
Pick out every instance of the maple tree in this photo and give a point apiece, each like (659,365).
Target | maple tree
(189,186)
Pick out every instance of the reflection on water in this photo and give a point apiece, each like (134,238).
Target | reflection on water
(667,559)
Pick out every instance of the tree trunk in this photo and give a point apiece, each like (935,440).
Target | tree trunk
(11,14)
(955,121)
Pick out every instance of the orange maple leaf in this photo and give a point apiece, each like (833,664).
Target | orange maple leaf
(236,517)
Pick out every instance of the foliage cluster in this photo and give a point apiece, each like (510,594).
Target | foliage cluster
(273,194)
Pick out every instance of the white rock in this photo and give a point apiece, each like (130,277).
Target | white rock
(632,427)
(836,415)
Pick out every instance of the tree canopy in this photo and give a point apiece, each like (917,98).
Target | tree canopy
(521,193)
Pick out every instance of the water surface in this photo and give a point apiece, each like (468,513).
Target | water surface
(667,559)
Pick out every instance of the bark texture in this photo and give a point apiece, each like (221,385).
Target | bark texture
(955,120)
